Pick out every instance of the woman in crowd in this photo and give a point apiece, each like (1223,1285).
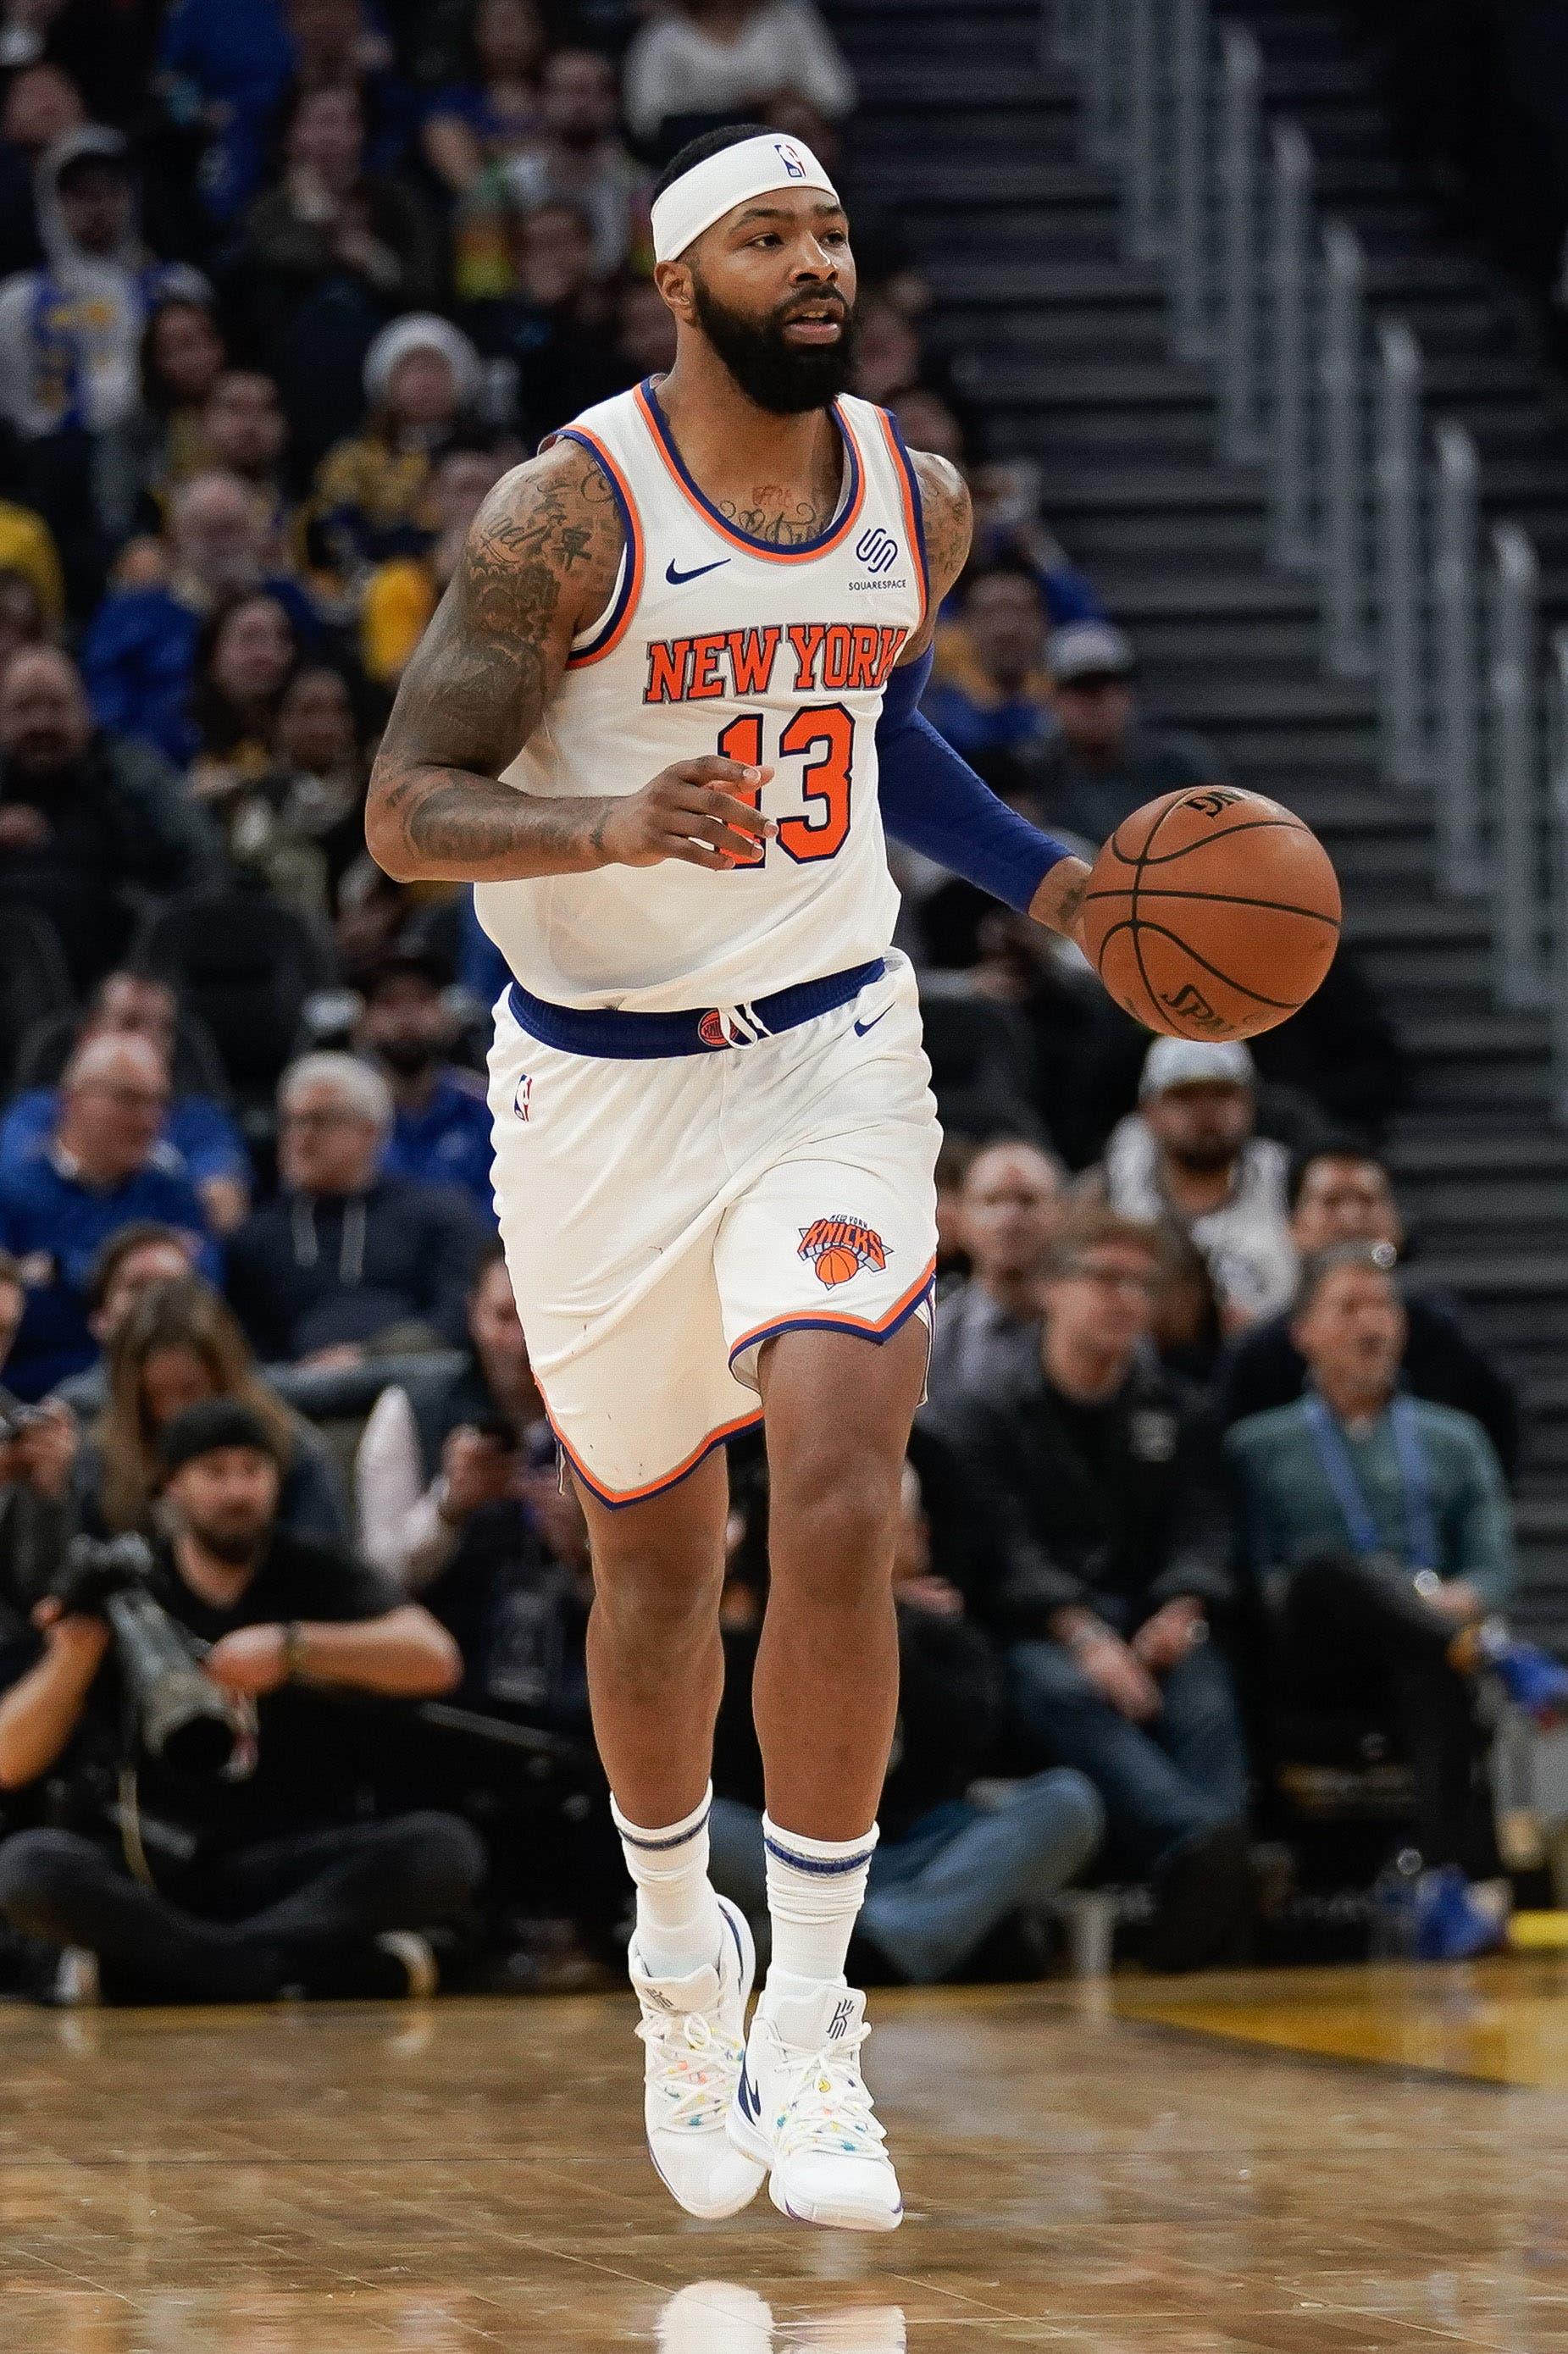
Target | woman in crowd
(245,657)
(183,355)
(475,124)
(371,499)
(178,1347)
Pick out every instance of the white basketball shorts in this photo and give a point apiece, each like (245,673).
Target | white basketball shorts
(664,1219)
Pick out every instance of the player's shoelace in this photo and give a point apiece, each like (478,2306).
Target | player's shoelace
(830,2108)
(694,2065)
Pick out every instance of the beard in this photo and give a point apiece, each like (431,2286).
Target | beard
(1206,1156)
(236,1547)
(775,374)
(409,1057)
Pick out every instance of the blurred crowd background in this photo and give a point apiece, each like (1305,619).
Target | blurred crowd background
(285,287)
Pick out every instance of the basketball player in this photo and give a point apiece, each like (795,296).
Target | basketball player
(688,639)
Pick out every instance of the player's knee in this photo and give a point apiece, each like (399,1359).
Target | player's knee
(656,1593)
(834,1520)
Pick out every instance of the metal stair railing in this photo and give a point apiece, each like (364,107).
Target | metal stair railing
(1383,512)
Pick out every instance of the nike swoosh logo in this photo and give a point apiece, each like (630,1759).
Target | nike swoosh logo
(750,2099)
(678,580)
(861,1027)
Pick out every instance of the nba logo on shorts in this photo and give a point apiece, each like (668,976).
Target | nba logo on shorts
(790,160)
(840,1247)
(521,1101)
(876,549)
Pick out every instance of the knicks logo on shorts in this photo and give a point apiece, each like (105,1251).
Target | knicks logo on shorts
(841,1248)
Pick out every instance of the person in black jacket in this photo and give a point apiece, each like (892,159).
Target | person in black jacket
(94,828)
(946,1871)
(1111,1548)
(346,1257)
(1341,1194)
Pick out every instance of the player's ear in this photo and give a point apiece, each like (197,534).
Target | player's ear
(673,280)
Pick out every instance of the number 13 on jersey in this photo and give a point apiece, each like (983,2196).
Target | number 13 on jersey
(823,737)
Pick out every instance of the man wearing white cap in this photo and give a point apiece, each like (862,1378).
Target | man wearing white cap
(713,1134)
(1191,1154)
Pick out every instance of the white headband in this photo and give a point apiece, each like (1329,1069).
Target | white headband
(714,186)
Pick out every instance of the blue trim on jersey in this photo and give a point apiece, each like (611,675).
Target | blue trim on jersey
(824,1866)
(733,530)
(641,1038)
(611,622)
(916,501)
(834,1324)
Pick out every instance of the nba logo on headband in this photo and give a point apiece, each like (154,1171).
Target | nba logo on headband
(790,160)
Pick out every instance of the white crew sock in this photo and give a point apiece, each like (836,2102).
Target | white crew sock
(815,1888)
(679,1926)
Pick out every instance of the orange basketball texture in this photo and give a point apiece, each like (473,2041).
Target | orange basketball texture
(1211,914)
(836,1264)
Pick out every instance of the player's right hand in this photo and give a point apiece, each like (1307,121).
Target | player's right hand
(685,813)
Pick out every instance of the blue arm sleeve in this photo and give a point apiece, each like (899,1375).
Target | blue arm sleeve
(934,801)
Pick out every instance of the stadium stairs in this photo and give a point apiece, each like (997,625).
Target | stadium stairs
(1061,344)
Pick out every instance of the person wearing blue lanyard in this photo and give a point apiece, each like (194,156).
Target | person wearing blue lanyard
(1380,1527)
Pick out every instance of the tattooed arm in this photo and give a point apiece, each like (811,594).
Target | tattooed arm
(539,566)
(1057,901)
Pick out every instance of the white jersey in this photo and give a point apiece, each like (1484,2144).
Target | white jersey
(772,656)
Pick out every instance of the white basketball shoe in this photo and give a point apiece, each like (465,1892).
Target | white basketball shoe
(802,2109)
(694,2036)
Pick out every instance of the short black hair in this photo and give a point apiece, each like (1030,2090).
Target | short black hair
(1329,1147)
(698,151)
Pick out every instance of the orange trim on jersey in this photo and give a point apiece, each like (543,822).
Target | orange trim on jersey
(873,1326)
(903,466)
(615,1498)
(632,584)
(658,434)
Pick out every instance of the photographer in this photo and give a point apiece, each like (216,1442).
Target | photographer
(233,1885)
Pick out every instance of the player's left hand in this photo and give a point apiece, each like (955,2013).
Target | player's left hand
(1162,1641)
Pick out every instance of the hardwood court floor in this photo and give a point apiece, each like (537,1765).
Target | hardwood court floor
(1368,2162)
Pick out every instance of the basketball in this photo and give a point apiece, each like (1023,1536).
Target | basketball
(1211,914)
(836,1264)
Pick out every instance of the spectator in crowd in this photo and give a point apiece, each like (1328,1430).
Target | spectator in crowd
(31,601)
(40,106)
(1102,762)
(226,69)
(473,125)
(370,498)
(1339,1194)
(993,694)
(947,1873)
(889,360)
(70,332)
(1012,1206)
(93,827)
(103,1170)
(644,332)
(402,593)
(952,1243)
(1379,1528)
(345,1258)
(579,158)
(37,1449)
(332,228)
(277,1881)
(140,654)
(132,1262)
(1192,1154)
(179,1346)
(246,653)
(198,1132)
(244,433)
(437,1450)
(183,357)
(556,331)
(295,820)
(706,62)
(1111,1550)
(440,1117)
